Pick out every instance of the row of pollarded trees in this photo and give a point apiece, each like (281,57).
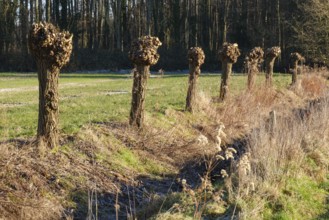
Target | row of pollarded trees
(255,58)
(52,49)
(143,54)
(229,55)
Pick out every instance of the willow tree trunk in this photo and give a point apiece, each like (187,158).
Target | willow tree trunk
(269,72)
(294,72)
(227,70)
(143,54)
(48,104)
(254,59)
(52,50)
(138,95)
(191,92)
(251,78)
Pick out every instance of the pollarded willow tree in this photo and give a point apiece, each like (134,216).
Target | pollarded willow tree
(254,59)
(295,58)
(196,58)
(228,55)
(51,50)
(270,56)
(143,54)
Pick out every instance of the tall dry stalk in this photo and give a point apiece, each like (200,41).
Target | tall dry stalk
(51,49)
(270,56)
(143,54)
(228,55)
(196,58)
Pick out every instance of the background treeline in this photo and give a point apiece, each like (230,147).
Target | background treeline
(104,29)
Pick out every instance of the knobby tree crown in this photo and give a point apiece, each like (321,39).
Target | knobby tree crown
(47,43)
(256,55)
(296,57)
(196,56)
(272,52)
(229,53)
(144,51)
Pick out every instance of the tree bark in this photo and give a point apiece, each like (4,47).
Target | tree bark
(251,78)
(295,58)
(51,49)
(48,104)
(227,70)
(40,10)
(64,14)
(36,11)
(31,12)
(191,92)
(48,10)
(138,95)
(252,61)
(24,30)
(294,72)
(143,54)
(269,72)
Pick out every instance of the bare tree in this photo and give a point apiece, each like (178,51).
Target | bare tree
(228,55)
(51,49)
(254,59)
(143,54)
(196,58)
(270,56)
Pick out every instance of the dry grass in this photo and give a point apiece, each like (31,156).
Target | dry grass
(314,85)
(42,188)
(274,152)
(241,113)
(279,151)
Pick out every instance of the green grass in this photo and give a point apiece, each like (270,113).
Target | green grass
(127,159)
(85,98)
(302,198)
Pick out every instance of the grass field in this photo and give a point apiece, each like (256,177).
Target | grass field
(99,151)
(90,98)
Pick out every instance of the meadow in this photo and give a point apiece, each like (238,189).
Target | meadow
(96,98)
(105,169)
